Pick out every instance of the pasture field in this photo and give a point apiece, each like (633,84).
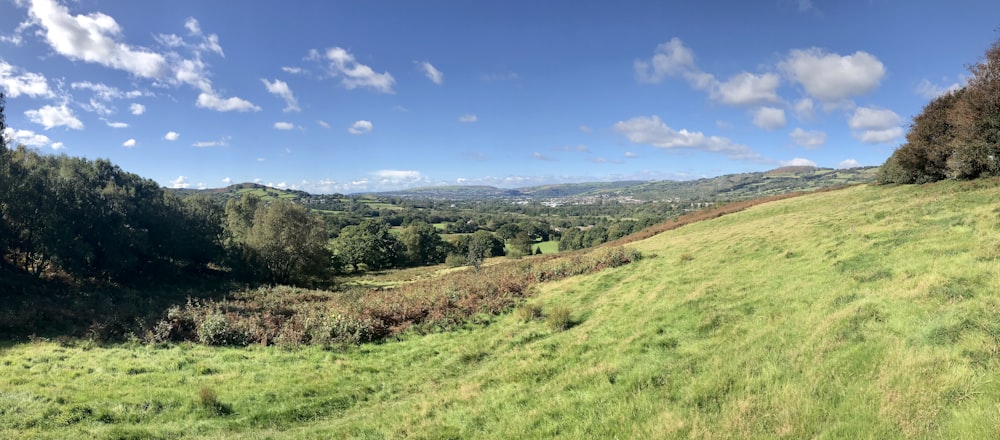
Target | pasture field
(547,247)
(866,312)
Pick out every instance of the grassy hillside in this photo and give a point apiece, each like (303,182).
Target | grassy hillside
(869,312)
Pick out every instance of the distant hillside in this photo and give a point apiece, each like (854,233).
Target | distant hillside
(751,185)
(728,187)
(722,188)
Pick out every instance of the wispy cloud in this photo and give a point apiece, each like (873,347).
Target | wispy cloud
(432,72)
(361,127)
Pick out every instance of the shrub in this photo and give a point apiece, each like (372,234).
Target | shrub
(559,318)
(453,260)
(529,312)
(208,400)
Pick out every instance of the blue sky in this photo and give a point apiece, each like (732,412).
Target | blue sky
(331,96)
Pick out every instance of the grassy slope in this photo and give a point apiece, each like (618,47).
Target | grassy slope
(860,313)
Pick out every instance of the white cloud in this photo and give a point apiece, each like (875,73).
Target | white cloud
(27,138)
(748,89)
(284,126)
(323,123)
(432,73)
(669,59)
(586,129)
(94,38)
(180,182)
(129,143)
(354,74)
(849,163)
(58,146)
(292,70)
(137,109)
(361,127)
(280,88)
(808,139)
(874,125)
(831,77)
(674,59)
(16,38)
(227,180)
(631,155)
(393,179)
(866,118)
(50,116)
(16,84)
(652,131)
(880,136)
(105,92)
(570,148)
(192,26)
(97,38)
(539,156)
(214,102)
(804,109)
(116,124)
(930,90)
(171,136)
(769,118)
(98,107)
(798,162)
(724,125)
(469,118)
(208,144)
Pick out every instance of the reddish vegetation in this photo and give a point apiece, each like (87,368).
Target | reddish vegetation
(287,315)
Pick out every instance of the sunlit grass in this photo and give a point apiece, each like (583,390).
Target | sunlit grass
(870,312)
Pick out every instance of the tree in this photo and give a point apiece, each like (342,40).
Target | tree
(422,245)
(370,243)
(280,242)
(521,244)
(957,135)
(481,245)
(572,239)
(289,243)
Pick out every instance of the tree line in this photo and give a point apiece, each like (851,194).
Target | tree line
(957,135)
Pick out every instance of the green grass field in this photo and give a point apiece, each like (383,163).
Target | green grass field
(547,247)
(868,312)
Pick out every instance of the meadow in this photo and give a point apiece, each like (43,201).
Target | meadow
(864,312)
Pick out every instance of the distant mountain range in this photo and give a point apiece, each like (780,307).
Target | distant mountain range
(728,187)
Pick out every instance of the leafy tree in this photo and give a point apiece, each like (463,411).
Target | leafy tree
(522,242)
(957,135)
(370,243)
(572,239)
(422,245)
(508,231)
(280,242)
(289,243)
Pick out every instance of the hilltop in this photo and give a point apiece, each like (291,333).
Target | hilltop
(865,312)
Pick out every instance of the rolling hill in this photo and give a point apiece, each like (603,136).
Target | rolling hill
(865,312)
(722,188)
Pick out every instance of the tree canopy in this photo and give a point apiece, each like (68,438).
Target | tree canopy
(957,135)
